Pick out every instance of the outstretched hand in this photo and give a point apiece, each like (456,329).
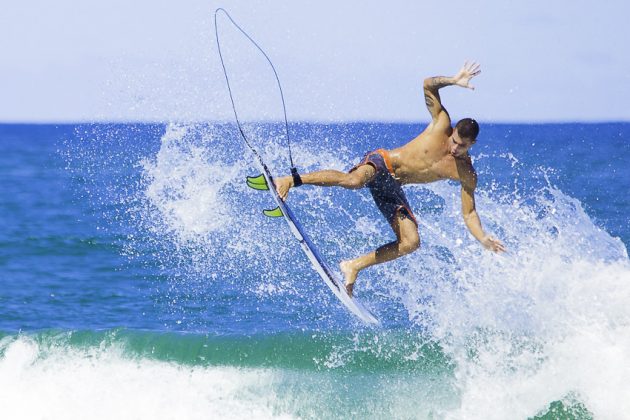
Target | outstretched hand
(492,244)
(470,70)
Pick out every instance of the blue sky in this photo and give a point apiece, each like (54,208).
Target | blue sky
(157,60)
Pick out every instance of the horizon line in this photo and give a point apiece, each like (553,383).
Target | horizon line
(329,122)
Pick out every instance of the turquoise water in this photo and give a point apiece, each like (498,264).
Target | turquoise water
(140,280)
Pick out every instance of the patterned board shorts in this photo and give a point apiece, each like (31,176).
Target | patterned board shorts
(386,190)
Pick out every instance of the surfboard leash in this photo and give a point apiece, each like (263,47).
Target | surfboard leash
(297,180)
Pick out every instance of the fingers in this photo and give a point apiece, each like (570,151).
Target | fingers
(497,246)
(475,69)
(472,68)
(493,244)
(282,193)
(282,188)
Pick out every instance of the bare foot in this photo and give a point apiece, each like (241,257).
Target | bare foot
(283,185)
(349,274)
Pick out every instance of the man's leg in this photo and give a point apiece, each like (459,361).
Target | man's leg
(407,241)
(329,178)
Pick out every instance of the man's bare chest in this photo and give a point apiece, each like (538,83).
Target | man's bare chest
(418,169)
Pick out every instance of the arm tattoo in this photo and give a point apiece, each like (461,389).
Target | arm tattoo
(439,82)
(432,96)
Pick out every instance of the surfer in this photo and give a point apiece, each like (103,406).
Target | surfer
(439,152)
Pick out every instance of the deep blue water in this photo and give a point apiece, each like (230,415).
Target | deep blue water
(145,234)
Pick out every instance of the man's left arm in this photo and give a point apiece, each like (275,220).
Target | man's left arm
(468,178)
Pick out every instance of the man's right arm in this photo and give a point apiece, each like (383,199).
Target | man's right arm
(432,85)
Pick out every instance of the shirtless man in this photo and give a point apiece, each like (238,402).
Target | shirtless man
(439,152)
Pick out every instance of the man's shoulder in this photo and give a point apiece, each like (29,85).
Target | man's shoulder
(441,127)
(433,138)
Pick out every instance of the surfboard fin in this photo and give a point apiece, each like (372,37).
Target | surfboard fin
(257,182)
(260,183)
(273,213)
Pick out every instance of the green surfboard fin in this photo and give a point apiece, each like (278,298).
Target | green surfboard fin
(257,182)
(273,213)
(260,183)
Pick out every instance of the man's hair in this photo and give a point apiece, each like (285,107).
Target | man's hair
(468,128)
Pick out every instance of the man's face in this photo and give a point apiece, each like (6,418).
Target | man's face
(458,146)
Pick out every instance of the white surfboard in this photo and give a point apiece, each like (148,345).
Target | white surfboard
(330,278)
(265,182)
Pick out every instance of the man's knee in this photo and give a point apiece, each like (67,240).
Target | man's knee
(408,244)
(354,180)
(358,177)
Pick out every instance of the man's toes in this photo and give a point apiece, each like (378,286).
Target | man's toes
(349,288)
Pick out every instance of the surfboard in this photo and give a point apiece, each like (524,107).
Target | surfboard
(265,182)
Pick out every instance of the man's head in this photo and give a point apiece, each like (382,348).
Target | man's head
(463,137)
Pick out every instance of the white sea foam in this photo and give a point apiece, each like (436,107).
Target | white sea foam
(184,188)
(62,383)
(546,321)
(44,381)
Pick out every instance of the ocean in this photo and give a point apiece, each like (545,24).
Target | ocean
(140,280)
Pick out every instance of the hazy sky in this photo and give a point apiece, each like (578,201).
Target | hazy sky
(338,60)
